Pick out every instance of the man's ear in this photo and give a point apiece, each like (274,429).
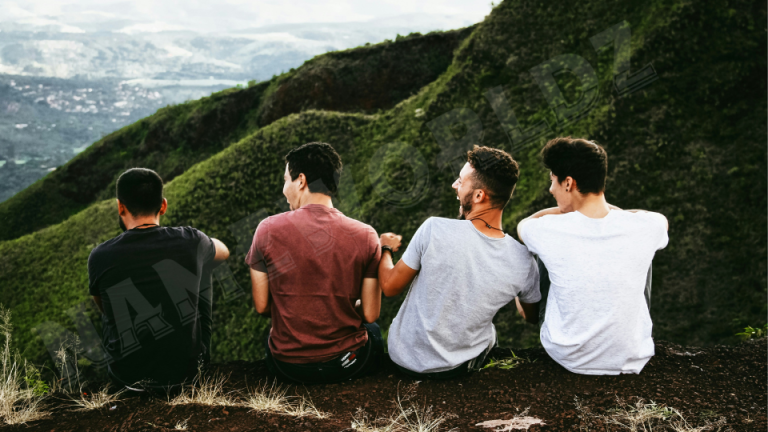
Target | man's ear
(479,195)
(163,207)
(122,210)
(302,181)
(570,184)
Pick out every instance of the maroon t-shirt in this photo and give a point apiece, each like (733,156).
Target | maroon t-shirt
(316,259)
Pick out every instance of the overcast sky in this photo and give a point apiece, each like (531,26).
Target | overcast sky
(227,15)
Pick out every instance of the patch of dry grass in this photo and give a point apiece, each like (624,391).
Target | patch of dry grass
(273,399)
(205,390)
(18,402)
(95,400)
(407,417)
(646,417)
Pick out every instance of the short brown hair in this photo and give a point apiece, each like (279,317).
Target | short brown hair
(495,172)
(578,158)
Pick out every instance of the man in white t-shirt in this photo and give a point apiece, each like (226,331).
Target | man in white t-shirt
(460,273)
(597,319)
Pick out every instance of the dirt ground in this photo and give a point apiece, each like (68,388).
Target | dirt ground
(725,384)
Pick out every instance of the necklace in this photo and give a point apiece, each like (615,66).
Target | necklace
(486,224)
(146,224)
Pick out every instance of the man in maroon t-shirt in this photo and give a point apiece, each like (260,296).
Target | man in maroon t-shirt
(309,268)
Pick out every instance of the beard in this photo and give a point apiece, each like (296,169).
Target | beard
(122,225)
(466,207)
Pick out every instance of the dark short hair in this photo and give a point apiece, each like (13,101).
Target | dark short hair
(141,191)
(495,172)
(319,163)
(580,159)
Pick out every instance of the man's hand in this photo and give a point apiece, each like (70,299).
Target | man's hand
(393,278)
(538,214)
(392,240)
(529,311)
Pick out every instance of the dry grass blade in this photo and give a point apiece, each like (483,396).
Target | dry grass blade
(18,402)
(99,399)
(182,425)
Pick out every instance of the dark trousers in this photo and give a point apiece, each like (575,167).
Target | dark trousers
(347,366)
(544,283)
(463,369)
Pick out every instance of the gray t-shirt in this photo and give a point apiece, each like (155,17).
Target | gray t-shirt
(464,278)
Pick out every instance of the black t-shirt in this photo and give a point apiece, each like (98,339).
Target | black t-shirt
(155,287)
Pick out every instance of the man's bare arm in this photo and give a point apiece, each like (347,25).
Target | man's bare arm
(370,299)
(97,300)
(222,253)
(260,291)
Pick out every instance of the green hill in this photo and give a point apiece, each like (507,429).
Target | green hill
(690,144)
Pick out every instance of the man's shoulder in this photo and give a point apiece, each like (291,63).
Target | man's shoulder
(356,223)
(442,222)
(104,247)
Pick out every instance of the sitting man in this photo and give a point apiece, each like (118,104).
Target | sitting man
(309,268)
(597,319)
(467,270)
(153,287)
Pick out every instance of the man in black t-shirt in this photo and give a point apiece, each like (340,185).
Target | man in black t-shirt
(153,286)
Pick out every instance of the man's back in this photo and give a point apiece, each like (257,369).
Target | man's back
(464,278)
(316,259)
(154,286)
(597,320)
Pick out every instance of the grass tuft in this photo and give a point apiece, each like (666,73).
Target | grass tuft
(20,403)
(205,390)
(643,417)
(273,399)
(407,417)
(95,400)
(182,425)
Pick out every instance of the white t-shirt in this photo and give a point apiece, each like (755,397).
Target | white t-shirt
(597,321)
(464,278)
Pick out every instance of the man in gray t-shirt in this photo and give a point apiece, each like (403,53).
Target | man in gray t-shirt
(461,272)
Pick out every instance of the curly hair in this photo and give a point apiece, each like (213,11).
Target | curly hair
(495,172)
(578,158)
(319,163)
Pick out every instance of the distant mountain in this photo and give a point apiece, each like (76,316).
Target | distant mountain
(65,85)
(143,51)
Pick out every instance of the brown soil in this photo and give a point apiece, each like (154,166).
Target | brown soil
(703,384)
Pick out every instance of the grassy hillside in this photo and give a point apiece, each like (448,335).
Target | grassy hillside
(364,79)
(691,144)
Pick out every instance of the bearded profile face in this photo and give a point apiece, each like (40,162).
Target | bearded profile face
(465,207)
